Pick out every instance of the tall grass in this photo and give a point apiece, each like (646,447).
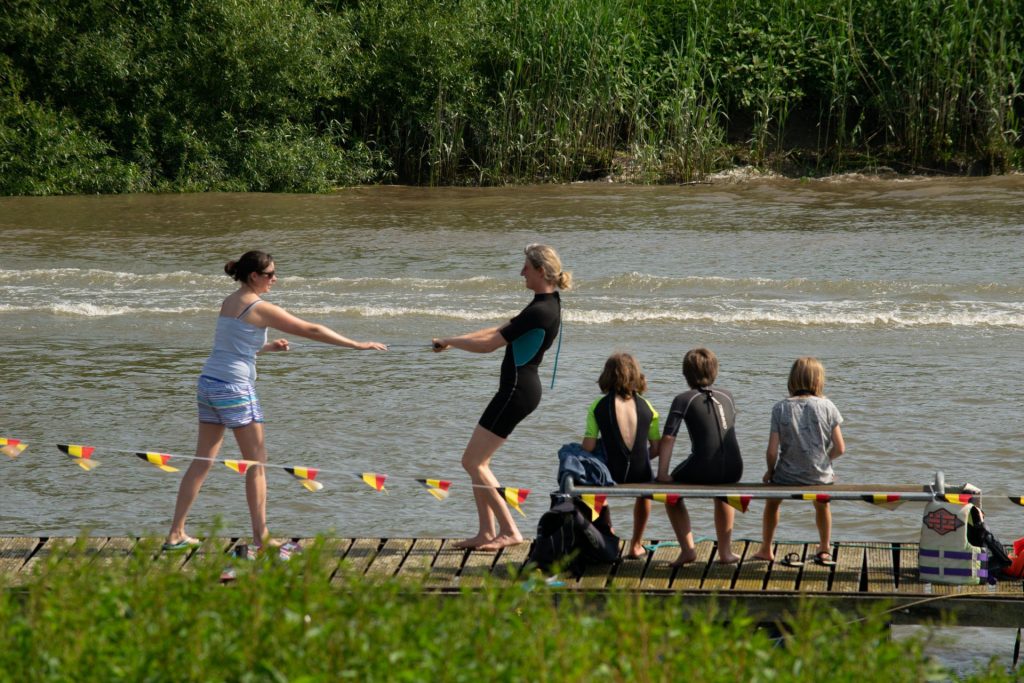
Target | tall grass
(145,621)
(305,95)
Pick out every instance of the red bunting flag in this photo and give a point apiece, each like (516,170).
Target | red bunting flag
(240,466)
(667,498)
(885,500)
(306,476)
(596,503)
(741,503)
(81,454)
(817,497)
(958,498)
(12,448)
(374,481)
(438,488)
(514,497)
(158,460)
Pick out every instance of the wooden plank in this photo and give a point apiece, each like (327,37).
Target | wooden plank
(780,577)
(720,576)
(445,572)
(389,558)
(629,572)
(881,572)
(478,565)
(61,548)
(15,551)
(115,552)
(689,576)
(359,556)
(511,561)
(846,574)
(908,578)
(815,578)
(217,546)
(658,575)
(330,552)
(421,556)
(596,577)
(751,573)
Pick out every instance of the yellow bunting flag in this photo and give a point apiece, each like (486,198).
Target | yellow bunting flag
(816,497)
(306,476)
(158,460)
(885,500)
(667,498)
(12,448)
(438,488)
(741,503)
(958,498)
(240,466)
(374,481)
(1019,500)
(596,502)
(514,497)
(81,454)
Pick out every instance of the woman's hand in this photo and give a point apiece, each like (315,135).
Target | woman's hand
(665,479)
(370,346)
(439,345)
(767,478)
(276,345)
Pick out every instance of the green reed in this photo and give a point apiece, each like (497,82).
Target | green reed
(133,619)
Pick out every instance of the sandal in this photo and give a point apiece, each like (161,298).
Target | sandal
(792,560)
(824,558)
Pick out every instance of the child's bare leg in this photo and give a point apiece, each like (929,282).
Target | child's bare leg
(724,516)
(823,520)
(680,519)
(768,527)
(641,513)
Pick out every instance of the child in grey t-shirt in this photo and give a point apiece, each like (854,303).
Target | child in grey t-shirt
(805,439)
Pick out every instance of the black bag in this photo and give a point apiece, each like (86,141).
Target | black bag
(569,540)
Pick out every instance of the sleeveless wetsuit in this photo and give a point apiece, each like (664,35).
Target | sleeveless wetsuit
(710,417)
(529,335)
(627,465)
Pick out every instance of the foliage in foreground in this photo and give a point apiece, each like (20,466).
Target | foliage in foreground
(141,621)
(305,95)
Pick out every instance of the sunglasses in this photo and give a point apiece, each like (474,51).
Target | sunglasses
(269,274)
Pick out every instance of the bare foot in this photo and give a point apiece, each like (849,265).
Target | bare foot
(475,542)
(500,542)
(728,558)
(685,557)
(767,557)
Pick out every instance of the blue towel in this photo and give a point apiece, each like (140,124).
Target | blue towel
(585,468)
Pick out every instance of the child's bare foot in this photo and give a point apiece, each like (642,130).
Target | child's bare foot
(636,551)
(500,542)
(475,542)
(765,555)
(685,557)
(728,557)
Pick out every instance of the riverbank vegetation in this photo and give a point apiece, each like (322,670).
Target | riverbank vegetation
(136,620)
(307,95)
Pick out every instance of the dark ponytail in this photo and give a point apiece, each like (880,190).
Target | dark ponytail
(251,262)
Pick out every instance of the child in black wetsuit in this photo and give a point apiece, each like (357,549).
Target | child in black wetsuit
(710,417)
(627,424)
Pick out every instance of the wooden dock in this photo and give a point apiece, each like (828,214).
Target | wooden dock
(865,572)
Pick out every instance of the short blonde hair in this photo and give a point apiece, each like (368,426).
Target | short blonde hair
(700,367)
(545,258)
(807,375)
(622,375)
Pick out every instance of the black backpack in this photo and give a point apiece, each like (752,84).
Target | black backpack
(569,540)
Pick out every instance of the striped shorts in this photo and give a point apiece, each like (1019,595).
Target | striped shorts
(231,405)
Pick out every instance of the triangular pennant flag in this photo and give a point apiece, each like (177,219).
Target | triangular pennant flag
(438,488)
(885,500)
(240,466)
(514,497)
(12,448)
(817,497)
(596,502)
(1019,500)
(374,481)
(667,498)
(741,503)
(158,460)
(958,498)
(306,475)
(81,454)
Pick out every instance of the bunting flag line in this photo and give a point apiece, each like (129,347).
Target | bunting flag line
(82,455)
(12,448)
(306,477)
(514,497)
(816,497)
(1019,500)
(596,502)
(741,503)
(158,460)
(240,466)
(960,498)
(889,501)
(373,480)
(438,488)
(667,498)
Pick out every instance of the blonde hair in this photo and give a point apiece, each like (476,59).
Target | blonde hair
(622,375)
(807,375)
(545,258)
(700,367)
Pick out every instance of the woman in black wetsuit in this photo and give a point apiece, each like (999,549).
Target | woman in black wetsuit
(710,418)
(526,337)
